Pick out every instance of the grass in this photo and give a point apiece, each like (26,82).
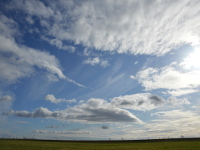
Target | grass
(6,144)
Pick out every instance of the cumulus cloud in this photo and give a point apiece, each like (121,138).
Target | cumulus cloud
(169,78)
(141,101)
(94,110)
(19,61)
(145,27)
(96,61)
(52,99)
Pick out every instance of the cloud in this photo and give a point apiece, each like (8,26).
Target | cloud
(6,102)
(180,92)
(145,27)
(176,101)
(6,98)
(23,122)
(182,121)
(141,101)
(59,44)
(93,111)
(52,99)
(169,78)
(52,127)
(175,114)
(96,61)
(52,77)
(132,77)
(22,60)
(104,127)
(62,132)
(36,8)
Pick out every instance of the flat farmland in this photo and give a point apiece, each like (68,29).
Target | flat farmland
(8,144)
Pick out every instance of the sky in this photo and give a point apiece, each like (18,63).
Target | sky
(99,70)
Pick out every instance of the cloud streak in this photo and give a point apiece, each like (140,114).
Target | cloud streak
(52,99)
(61,132)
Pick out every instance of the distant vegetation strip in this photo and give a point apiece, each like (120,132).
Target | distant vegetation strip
(161,144)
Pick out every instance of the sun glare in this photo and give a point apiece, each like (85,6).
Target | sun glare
(192,60)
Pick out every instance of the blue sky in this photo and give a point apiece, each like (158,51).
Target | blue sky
(99,69)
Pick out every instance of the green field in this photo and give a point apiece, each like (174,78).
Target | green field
(120,145)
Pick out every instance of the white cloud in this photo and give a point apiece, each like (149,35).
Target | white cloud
(141,101)
(176,101)
(93,111)
(59,44)
(173,124)
(6,98)
(175,114)
(132,77)
(168,78)
(145,27)
(21,59)
(52,77)
(182,92)
(35,8)
(96,61)
(52,99)
(6,102)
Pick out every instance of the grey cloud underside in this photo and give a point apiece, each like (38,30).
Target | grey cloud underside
(95,110)
(100,111)
(104,127)
(136,27)
(140,101)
